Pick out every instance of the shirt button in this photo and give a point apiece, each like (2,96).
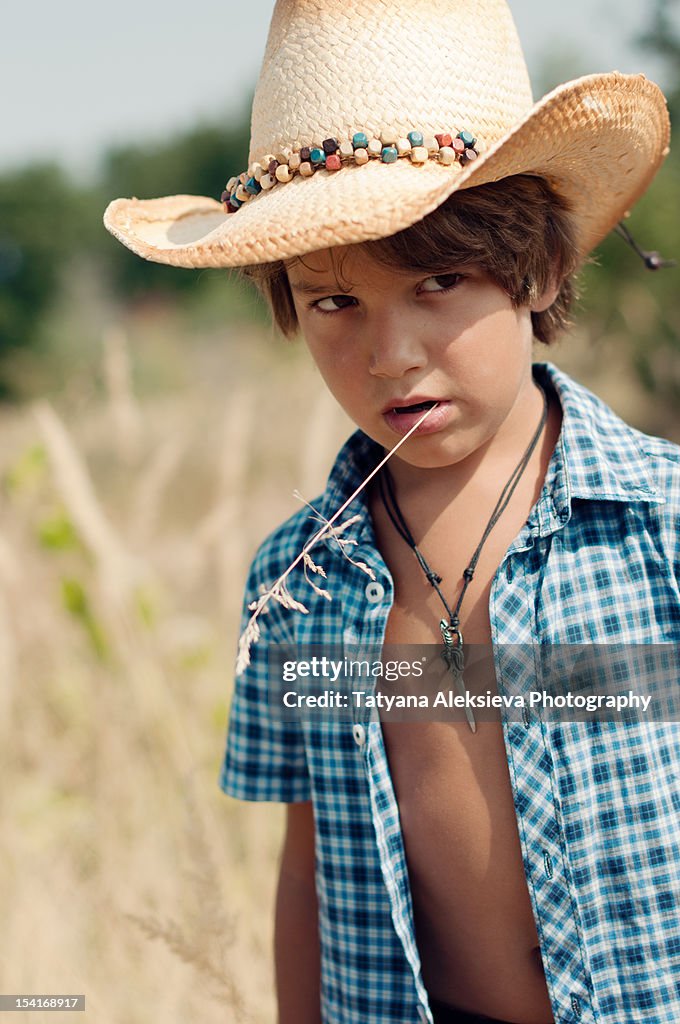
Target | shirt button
(375,592)
(359,734)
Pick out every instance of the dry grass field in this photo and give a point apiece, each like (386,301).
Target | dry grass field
(128,516)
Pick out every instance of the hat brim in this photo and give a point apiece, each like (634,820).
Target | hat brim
(599,141)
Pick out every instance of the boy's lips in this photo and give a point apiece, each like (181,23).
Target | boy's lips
(401,415)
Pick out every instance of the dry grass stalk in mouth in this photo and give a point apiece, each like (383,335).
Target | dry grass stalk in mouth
(279,592)
(344,543)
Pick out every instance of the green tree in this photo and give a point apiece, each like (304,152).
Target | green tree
(623,299)
(39,226)
(662,37)
(198,162)
(50,229)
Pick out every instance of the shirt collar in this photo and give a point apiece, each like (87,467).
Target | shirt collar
(597,457)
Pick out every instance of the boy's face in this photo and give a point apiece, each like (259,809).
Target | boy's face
(385,340)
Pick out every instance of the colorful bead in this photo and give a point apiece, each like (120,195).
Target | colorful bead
(282,167)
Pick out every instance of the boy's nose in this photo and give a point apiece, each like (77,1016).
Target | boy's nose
(396,347)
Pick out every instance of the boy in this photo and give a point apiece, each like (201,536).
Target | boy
(552,571)
(527,871)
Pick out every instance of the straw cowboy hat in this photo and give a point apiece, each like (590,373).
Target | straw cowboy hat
(369,114)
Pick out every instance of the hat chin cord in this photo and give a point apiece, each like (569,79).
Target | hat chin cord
(652,260)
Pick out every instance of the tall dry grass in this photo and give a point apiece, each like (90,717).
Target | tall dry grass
(126,527)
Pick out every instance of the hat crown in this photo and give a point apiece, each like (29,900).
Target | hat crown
(331,69)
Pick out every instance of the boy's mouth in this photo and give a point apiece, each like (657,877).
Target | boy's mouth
(415,408)
(433,412)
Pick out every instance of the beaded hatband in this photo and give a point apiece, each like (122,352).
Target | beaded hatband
(332,155)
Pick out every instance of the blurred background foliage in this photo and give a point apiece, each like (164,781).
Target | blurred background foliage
(61,273)
(151,437)
(642,307)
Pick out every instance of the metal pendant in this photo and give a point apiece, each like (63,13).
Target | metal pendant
(454,657)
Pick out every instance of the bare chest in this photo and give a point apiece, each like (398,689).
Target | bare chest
(472,910)
(474,923)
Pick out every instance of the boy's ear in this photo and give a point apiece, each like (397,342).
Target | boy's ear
(546,299)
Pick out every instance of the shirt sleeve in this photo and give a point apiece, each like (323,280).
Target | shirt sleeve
(265,756)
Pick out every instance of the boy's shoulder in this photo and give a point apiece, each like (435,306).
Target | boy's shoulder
(606,456)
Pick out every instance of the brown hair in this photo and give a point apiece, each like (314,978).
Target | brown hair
(518,230)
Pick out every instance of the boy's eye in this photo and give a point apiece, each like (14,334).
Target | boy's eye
(441,282)
(333,303)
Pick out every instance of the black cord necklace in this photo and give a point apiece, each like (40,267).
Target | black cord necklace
(452,636)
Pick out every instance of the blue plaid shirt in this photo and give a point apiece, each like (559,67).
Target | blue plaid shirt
(597,803)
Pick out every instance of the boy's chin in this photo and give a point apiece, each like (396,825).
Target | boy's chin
(417,455)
